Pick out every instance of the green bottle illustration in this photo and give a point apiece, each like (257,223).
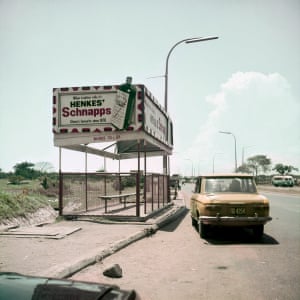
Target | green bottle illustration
(124,105)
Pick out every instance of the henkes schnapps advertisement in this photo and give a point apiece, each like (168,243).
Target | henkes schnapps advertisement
(94,109)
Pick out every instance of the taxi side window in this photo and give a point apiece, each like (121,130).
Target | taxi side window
(198,185)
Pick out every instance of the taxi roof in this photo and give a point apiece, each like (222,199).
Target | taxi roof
(225,175)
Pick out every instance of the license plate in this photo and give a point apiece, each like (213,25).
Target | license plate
(238,210)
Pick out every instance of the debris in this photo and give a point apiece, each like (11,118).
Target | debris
(114,272)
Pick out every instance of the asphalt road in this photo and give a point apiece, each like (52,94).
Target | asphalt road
(175,263)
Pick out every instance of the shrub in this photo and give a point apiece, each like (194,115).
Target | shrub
(15,179)
(45,183)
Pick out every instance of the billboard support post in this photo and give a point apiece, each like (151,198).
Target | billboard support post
(145,175)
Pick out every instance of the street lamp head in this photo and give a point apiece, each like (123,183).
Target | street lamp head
(201,39)
(226,132)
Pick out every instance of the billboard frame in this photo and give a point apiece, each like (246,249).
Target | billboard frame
(151,125)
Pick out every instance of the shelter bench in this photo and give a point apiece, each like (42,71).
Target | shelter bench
(119,196)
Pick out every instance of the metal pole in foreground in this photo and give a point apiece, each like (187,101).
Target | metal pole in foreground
(188,41)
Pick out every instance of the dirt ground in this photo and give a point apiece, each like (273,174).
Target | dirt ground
(40,255)
(58,246)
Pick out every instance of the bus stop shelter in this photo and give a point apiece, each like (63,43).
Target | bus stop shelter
(135,125)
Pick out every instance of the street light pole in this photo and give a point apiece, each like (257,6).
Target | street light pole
(214,161)
(192,166)
(199,164)
(227,132)
(243,153)
(187,41)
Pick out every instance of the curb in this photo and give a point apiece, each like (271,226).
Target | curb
(64,271)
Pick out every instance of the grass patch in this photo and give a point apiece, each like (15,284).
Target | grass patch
(18,205)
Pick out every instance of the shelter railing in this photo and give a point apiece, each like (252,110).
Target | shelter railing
(82,193)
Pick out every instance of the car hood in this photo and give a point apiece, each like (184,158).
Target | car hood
(235,198)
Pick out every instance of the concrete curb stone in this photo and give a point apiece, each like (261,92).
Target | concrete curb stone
(64,271)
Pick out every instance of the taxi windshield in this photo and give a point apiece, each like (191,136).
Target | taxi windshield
(230,185)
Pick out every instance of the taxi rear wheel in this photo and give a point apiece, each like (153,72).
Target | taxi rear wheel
(258,231)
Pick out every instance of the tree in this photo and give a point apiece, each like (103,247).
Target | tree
(259,162)
(244,168)
(44,167)
(284,169)
(25,169)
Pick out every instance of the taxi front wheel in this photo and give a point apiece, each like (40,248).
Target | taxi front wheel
(194,222)
(203,229)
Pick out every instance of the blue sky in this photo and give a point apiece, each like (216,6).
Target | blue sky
(246,82)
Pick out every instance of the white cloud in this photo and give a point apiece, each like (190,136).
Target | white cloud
(261,112)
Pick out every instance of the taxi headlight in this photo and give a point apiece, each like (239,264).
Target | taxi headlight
(261,209)
(212,207)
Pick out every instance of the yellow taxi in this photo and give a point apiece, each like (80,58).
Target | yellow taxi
(228,200)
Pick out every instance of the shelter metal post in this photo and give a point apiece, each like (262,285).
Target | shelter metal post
(152,191)
(86,189)
(120,179)
(138,182)
(145,178)
(158,191)
(164,188)
(60,196)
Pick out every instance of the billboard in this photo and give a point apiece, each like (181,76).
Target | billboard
(156,122)
(93,108)
(104,113)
